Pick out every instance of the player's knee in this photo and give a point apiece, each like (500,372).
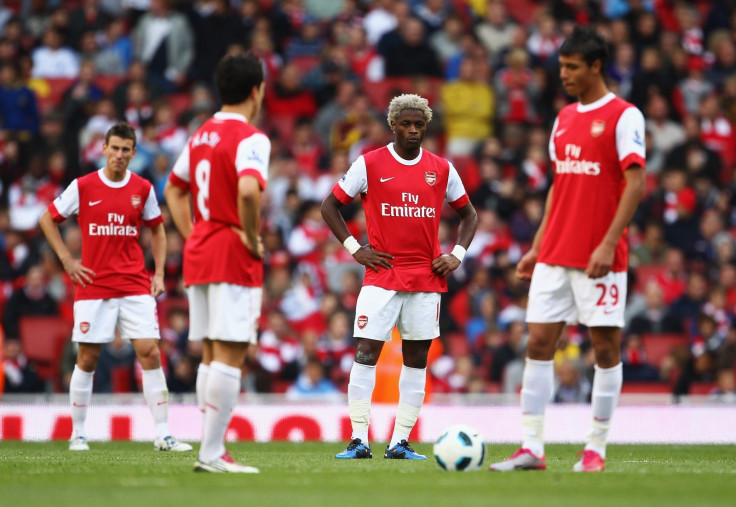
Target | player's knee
(149,355)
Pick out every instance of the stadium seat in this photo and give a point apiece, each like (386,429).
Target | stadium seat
(163,307)
(647,272)
(457,345)
(56,89)
(658,345)
(108,83)
(645,387)
(702,388)
(42,339)
(179,103)
(305,63)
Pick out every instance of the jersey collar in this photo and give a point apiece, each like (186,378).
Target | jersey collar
(401,160)
(230,116)
(114,184)
(608,97)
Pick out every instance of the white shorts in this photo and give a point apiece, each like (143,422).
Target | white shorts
(560,294)
(224,311)
(378,310)
(95,319)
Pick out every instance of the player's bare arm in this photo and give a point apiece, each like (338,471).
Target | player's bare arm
(601,259)
(366,254)
(158,248)
(249,211)
(447,263)
(77,272)
(525,266)
(181,213)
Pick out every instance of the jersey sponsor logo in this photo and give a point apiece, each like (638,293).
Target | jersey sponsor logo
(254,156)
(597,128)
(362,321)
(384,180)
(94,203)
(430,178)
(84,327)
(409,209)
(344,177)
(208,138)
(135,200)
(637,138)
(571,166)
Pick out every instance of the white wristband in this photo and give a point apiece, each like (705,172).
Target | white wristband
(459,252)
(351,244)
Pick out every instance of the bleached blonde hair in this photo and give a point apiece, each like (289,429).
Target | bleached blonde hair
(408,101)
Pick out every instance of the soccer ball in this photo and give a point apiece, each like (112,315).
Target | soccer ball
(460,448)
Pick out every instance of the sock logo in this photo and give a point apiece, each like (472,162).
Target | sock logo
(362,321)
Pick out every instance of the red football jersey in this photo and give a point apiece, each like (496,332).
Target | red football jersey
(222,150)
(402,200)
(110,215)
(591,146)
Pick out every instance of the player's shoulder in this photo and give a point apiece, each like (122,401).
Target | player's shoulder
(139,181)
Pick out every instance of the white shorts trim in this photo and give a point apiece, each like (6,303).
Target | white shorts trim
(224,311)
(560,294)
(135,317)
(378,310)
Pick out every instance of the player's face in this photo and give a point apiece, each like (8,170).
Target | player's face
(119,153)
(576,75)
(410,127)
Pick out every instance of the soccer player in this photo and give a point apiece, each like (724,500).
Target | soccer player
(112,286)
(402,188)
(578,260)
(224,167)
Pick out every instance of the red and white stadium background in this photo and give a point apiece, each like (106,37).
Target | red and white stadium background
(264,421)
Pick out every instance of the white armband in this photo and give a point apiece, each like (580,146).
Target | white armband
(459,252)
(351,245)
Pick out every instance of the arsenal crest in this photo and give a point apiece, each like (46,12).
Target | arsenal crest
(597,128)
(135,200)
(84,327)
(362,321)
(430,178)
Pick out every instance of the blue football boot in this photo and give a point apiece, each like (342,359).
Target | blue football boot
(402,450)
(356,450)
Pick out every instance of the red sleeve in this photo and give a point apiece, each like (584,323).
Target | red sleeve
(256,174)
(633,159)
(154,222)
(178,182)
(341,195)
(463,201)
(55,215)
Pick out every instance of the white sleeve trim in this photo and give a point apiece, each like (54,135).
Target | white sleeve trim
(151,209)
(67,203)
(630,134)
(552,151)
(181,166)
(355,181)
(455,187)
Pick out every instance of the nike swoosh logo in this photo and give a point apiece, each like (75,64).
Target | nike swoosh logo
(384,180)
(161,403)
(560,132)
(608,311)
(95,203)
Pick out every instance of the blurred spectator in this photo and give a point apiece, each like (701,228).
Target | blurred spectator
(516,89)
(115,368)
(687,307)
(18,107)
(215,28)
(468,108)
(20,375)
(691,90)
(693,155)
(411,55)
(29,196)
(87,17)
(164,41)
(666,134)
(623,69)
(716,130)
(31,299)
(634,359)
(380,20)
(116,49)
(336,349)
(497,29)
(656,318)
(446,42)
(652,248)
(571,386)
(52,59)
(312,384)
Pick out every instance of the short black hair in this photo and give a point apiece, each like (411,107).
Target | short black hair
(122,130)
(235,77)
(588,43)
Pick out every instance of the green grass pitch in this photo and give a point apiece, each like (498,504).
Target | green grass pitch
(306,474)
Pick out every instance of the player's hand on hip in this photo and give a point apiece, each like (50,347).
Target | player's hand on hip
(445,264)
(525,266)
(600,261)
(157,285)
(373,259)
(78,273)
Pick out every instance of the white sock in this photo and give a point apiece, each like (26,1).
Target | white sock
(360,391)
(606,389)
(80,394)
(411,398)
(223,387)
(536,390)
(202,372)
(156,395)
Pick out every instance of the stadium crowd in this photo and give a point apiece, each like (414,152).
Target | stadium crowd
(72,68)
